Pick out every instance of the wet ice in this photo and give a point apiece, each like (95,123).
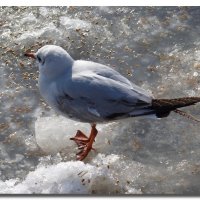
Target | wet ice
(155,47)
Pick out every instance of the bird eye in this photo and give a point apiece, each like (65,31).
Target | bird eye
(39,59)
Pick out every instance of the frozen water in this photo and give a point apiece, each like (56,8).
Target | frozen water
(73,23)
(50,142)
(155,47)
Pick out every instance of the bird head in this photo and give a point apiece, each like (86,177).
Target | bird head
(53,60)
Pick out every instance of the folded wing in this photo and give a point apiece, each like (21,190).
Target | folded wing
(103,94)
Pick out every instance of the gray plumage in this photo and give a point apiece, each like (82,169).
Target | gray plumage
(91,92)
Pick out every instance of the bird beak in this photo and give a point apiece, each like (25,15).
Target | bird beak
(30,55)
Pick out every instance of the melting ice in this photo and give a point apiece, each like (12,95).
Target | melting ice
(155,47)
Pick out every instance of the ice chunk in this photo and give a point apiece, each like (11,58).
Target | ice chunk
(195,74)
(43,11)
(74,23)
(29,19)
(53,133)
(49,31)
(105,9)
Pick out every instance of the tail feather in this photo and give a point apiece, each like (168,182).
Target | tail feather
(163,107)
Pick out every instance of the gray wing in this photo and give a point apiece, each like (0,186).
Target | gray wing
(103,94)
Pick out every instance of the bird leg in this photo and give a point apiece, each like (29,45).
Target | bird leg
(84,143)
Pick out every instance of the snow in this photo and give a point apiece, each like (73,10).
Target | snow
(73,177)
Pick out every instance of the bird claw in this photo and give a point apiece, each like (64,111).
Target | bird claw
(83,153)
(80,136)
(82,142)
(83,146)
(80,139)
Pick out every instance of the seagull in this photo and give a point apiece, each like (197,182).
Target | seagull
(91,92)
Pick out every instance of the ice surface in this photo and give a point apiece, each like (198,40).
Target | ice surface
(29,19)
(155,47)
(52,134)
(74,23)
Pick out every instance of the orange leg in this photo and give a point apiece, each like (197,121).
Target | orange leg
(84,143)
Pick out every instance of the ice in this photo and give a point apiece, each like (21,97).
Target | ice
(73,177)
(155,47)
(74,23)
(31,36)
(43,11)
(29,19)
(52,134)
